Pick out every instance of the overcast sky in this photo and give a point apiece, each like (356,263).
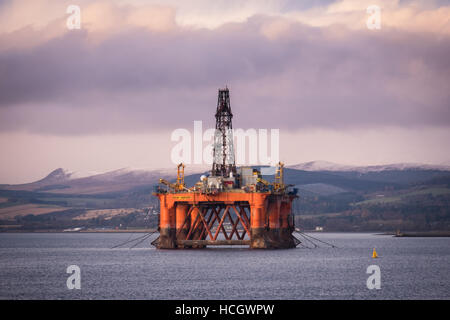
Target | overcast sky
(110,94)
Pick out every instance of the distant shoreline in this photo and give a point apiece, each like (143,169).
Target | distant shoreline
(434,234)
(83,231)
(408,234)
(115,231)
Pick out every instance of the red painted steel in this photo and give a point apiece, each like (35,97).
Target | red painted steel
(187,219)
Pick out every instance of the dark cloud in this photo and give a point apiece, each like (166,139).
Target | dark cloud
(139,80)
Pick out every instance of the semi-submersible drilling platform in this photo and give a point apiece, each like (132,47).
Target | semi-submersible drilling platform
(231,206)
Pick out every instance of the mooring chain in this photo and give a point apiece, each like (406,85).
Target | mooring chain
(145,238)
(305,236)
(315,245)
(324,242)
(304,246)
(140,239)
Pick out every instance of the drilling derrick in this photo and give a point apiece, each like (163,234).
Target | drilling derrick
(229,206)
(223,151)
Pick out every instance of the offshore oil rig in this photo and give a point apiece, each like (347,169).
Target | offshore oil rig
(231,205)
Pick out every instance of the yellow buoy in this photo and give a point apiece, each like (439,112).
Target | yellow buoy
(374,254)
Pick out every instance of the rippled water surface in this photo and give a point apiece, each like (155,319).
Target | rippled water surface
(33,266)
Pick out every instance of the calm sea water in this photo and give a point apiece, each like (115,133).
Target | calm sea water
(33,266)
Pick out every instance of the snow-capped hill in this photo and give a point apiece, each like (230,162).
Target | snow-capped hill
(58,175)
(129,179)
(145,172)
(83,174)
(64,181)
(320,165)
(330,166)
(403,166)
(61,175)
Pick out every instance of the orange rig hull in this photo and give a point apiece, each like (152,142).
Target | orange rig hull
(194,220)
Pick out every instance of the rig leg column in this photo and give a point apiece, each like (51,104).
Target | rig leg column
(286,239)
(167,230)
(259,238)
(274,222)
(182,226)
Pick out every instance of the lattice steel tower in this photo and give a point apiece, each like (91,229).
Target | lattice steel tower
(223,150)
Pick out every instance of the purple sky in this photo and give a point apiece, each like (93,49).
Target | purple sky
(109,95)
